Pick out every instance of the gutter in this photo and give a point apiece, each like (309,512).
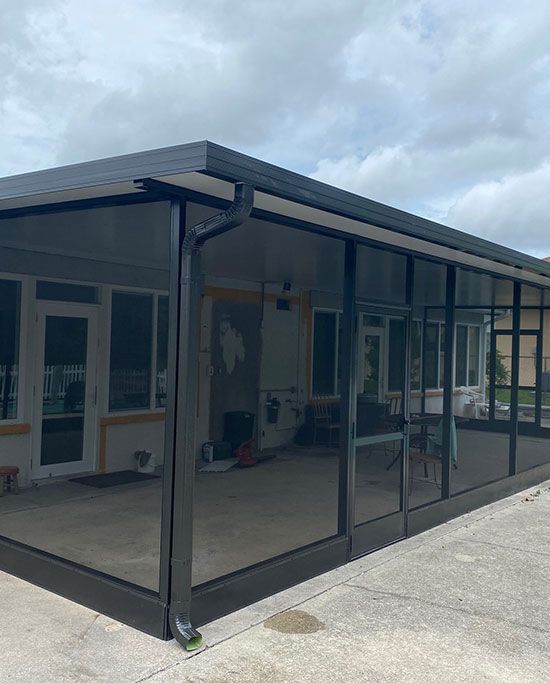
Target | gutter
(188,352)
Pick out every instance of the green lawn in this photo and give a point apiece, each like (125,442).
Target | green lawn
(525,397)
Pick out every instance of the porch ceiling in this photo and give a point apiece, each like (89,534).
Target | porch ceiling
(212,170)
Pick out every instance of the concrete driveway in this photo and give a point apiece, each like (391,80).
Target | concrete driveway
(467,601)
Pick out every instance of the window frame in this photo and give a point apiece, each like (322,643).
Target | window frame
(439,387)
(440,361)
(154,349)
(337,322)
(468,327)
(24,312)
(151,408)
(418,389)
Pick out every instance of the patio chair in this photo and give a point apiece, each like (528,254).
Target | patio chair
(480,407)
(427,449)
(393,411)
(393,406)
(422,457)
(502,409)
(323,419)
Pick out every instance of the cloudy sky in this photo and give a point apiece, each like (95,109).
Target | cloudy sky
(438,107)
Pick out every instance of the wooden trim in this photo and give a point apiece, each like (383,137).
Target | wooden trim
(120,420)
(252,296)
(102,452)
(131,419)
(221,293)
(6,430)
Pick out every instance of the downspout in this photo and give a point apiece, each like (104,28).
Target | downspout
(184,467)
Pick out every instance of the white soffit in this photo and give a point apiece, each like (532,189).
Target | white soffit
(200,182)
(215,187)
(93,192)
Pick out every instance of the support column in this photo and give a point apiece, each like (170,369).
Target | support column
(177,233)
(346,470)
(448,364)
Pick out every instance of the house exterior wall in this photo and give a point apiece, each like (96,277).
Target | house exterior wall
(119,248)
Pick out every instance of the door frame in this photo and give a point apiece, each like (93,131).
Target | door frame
(368,536)
(89,446)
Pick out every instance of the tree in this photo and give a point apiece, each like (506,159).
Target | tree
(502,374)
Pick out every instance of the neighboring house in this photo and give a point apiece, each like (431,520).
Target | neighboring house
(368,372)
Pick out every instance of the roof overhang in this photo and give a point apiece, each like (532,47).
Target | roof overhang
(212,170)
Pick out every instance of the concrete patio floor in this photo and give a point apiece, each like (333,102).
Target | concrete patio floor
(242,516)
(468,600)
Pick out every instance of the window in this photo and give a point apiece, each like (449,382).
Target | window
(131,336)
(432,356)
(326,353)
(396,354)
(416,355)
(441,355)
(138,372)
(467,355)
(461,356)
(162,351)
(473,356)
(10,298)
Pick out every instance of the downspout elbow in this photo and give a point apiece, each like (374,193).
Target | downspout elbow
(184,632)
(234,215)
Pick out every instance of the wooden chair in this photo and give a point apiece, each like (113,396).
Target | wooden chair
(9,479)
(323,419)
(393,406)
(393,410)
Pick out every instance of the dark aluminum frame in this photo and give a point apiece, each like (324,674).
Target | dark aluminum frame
(148,610)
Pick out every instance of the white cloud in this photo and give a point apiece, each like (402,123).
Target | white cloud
(416,103)
(514,210)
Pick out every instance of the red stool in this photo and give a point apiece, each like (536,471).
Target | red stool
(8,479)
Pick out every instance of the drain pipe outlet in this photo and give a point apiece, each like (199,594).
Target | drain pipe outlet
(184,468)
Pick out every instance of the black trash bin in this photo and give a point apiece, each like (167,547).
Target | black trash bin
(238,427)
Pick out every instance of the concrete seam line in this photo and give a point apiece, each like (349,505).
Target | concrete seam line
(462,610)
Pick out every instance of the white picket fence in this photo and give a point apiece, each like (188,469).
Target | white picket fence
(13,375)
(129,382)
(161,382)
(58,377)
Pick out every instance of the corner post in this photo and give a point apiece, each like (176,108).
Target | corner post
(514,380)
